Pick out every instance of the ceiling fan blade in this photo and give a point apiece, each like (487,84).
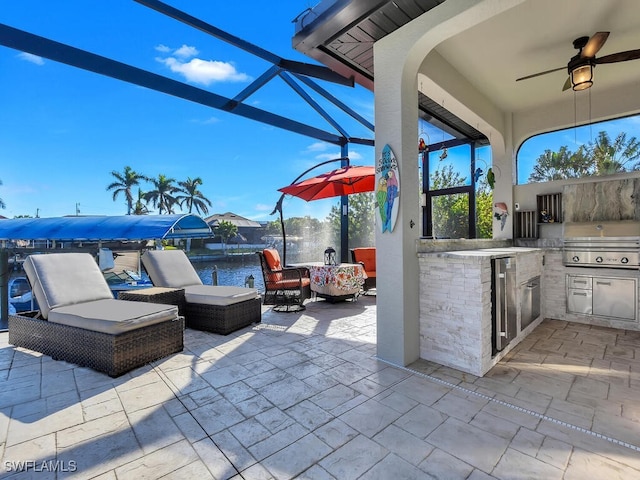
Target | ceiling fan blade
(619,57)
(541,73)
(567,84)
(594,44)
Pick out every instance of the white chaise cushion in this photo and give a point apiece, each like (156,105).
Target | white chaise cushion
(62,279)
(112,316)
(218,294)
(170,268)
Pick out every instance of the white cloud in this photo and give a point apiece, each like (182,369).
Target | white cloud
(261,207)
(205,71)
(206,121)
(327,156)
(186,51)
(317,147)
(29,57)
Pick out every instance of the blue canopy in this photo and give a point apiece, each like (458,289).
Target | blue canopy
(118,228)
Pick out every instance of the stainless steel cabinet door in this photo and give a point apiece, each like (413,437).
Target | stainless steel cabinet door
(579,301)
(615,297)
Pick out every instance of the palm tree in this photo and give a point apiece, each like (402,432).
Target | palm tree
(162,197)
(226,230)
(193,197)
(140,208)
(123,184)
(617,156)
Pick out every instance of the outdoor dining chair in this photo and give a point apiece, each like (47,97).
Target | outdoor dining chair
(285,287)
(366,256)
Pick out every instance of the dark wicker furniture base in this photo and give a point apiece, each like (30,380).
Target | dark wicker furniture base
(223,319)
(167,296)
(110,354)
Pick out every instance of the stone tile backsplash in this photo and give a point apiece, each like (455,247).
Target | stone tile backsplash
(609,200)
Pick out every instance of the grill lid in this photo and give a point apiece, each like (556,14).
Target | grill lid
(602,244)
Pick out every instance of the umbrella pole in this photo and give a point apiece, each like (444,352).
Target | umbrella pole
(344,218)
(284,240)
(278,208)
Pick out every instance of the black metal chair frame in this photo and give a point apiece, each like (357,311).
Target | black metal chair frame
(284,288)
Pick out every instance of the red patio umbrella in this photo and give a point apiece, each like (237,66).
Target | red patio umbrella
(346,180)
(342,181)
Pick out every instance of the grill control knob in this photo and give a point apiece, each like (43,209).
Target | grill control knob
(598,259)
(624,260)
(575,258)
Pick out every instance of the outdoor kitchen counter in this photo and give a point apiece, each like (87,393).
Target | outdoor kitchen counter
(456,304)
(484,253)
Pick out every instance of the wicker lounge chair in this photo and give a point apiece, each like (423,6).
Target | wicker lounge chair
(82,323)
(217,309)
(367,257)
(285,287)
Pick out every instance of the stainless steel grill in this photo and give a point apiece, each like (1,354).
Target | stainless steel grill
(602,244)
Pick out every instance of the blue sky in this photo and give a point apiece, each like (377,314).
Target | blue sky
(63,130)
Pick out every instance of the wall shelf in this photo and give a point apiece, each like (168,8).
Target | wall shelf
(552,205)
(527,223)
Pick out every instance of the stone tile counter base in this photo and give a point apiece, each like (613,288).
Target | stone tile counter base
(455,306)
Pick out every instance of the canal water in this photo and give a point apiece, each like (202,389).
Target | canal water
(230,271)
(233,272)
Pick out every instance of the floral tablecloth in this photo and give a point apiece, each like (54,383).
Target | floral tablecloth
(337,280)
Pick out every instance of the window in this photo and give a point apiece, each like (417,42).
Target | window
(457,197)
(450,215)
(602,148)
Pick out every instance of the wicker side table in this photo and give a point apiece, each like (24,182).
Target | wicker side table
(168,296)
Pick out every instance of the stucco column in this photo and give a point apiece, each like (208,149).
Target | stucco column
(396,117)
(397,61)
(504,168)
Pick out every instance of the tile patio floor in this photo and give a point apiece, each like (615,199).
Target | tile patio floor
(302,396)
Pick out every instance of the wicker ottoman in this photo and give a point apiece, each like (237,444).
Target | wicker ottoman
(223,319)
(167,296)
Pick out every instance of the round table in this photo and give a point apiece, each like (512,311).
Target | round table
(336,282)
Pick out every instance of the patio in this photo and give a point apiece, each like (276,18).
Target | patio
(302,395)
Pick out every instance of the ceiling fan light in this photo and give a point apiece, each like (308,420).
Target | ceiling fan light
(582,77)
